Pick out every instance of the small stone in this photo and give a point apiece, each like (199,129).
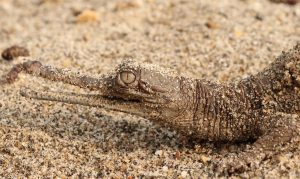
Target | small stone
(158,152)
(259,17)
(289,2)
(14,52)
(50,1)
(282,159)
(66,63)
(238,33)
(129,4)
(205,159)
(165,168)
(298,79)
(177,155)
(212,25)
(87,16)
(184,174)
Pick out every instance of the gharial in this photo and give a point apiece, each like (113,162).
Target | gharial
(198,108)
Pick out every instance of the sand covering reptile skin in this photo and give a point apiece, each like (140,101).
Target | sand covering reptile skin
(197,108)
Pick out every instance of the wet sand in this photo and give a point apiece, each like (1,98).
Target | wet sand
(218,40)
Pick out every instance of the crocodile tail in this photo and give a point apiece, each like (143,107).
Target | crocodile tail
(281,83)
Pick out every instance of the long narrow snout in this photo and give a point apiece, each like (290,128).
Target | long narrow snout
(110,103)
(35,68)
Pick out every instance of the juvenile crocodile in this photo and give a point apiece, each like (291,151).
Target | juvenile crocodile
(198,108)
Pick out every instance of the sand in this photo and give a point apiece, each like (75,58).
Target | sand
(218,40)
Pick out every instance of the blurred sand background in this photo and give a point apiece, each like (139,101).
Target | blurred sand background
(220,40)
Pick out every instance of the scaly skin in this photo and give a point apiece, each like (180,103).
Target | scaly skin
(198,108)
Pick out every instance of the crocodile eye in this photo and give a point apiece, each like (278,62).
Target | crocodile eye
(127,77)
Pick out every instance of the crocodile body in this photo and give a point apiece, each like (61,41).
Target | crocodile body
(200,109)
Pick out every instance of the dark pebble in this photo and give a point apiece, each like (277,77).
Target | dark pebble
(14,52)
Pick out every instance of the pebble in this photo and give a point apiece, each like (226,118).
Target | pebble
(165,168)
(130,4)
(238,33)
(51,1)
(159,152)
(212,25)
(67,63)
(205,159)
(184,174)
(177,155)
(289,2)
(14,52)
(87,16)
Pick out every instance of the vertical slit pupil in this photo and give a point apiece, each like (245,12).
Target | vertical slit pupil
(127,77)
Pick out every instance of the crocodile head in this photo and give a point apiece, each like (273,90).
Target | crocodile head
(139,89)
(143,89)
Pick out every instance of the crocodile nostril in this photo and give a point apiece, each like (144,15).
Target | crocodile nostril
(127,77)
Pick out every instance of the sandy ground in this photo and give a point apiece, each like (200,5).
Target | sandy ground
(219,40)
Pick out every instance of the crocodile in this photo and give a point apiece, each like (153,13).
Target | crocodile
(242,110)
